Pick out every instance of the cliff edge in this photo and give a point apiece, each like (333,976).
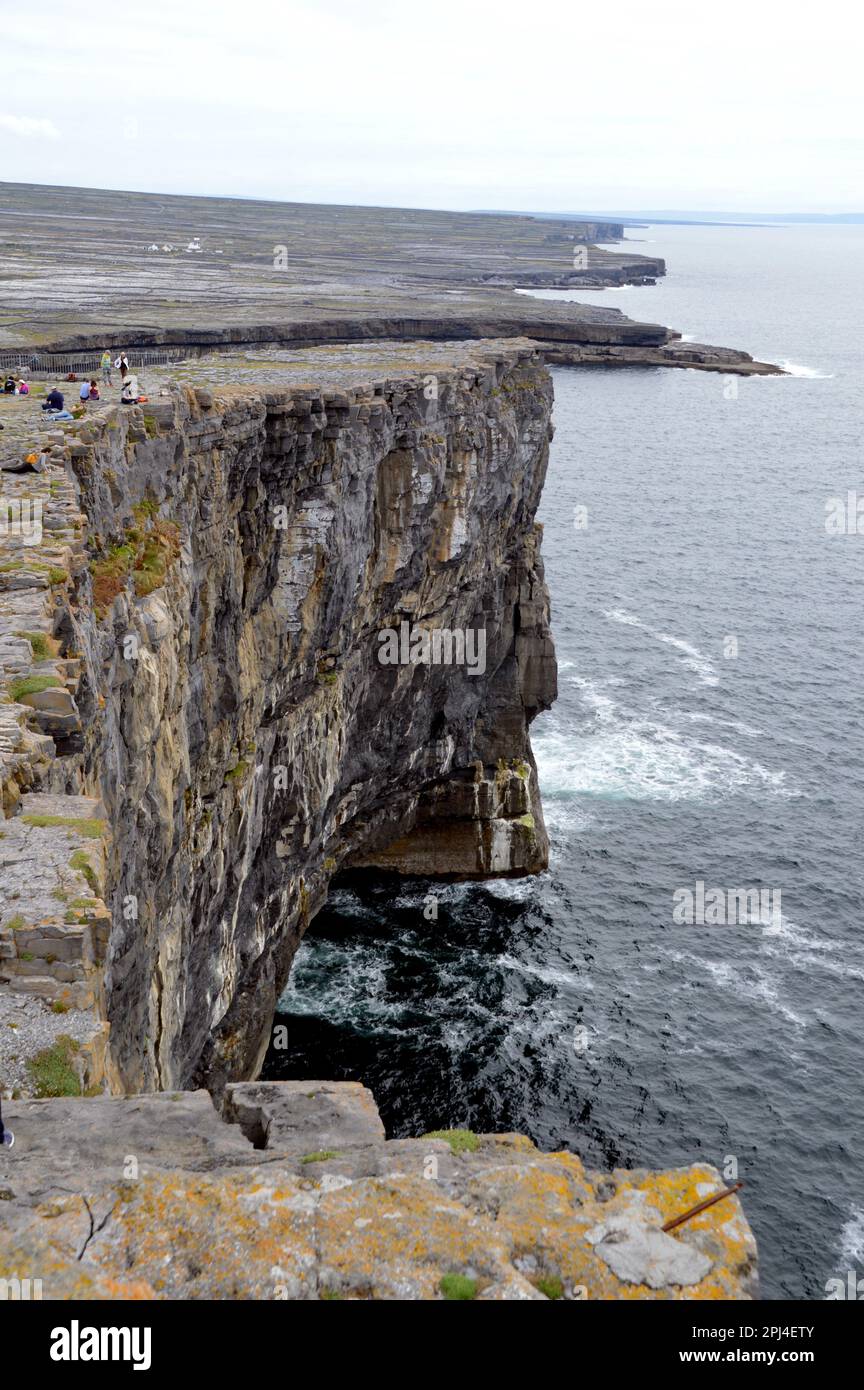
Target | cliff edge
(287,628)
(299,1196)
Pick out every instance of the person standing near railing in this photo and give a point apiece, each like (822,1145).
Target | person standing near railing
(105,364)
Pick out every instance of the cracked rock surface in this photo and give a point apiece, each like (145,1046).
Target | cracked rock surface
(158,1196)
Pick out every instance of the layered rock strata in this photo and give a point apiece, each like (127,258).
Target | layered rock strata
(54,924)
(234,726)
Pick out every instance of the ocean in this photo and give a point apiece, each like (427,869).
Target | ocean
(708,730)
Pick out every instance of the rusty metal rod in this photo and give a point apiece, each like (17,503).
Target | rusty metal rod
(702,1206)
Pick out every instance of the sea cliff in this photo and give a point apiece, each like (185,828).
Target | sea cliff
(219,712)
(198,733)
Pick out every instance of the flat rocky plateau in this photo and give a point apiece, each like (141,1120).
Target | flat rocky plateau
(82,268)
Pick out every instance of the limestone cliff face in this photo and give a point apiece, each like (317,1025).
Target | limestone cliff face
(247,547)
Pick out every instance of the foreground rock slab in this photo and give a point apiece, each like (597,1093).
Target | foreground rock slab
(159,1197)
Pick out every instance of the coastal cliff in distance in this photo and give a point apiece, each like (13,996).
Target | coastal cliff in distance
(299,274)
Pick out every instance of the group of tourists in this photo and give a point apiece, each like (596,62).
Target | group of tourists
(15,386)
(54,404)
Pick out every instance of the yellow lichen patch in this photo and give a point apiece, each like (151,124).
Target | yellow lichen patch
(196,1237)
(398,1237)
(721,1231)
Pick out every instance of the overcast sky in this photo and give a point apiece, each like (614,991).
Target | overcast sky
(751,106)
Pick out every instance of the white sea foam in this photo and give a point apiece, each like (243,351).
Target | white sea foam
(806,951)
(548,974)
(806,373)
(852,1239)
(735,724)
(625,757)
(517,890)
(693,659)
(789,936)
(830,965)
(751,983)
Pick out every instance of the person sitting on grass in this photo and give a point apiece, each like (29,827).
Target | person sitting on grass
(84,393)
(94,391)
(23,388)
(54,400)
(9,387)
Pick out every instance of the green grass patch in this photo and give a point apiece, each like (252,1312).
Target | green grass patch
(31,685)
(458,1288)
(146,582)
(81,863)
(146,509)
(16,923)
(549,1285)
(44,647)
(461,1141)
(320,1157)
(90,829)
(52,1072)
(148,550)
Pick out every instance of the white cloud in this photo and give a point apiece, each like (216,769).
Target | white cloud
(30,126)
(492,103)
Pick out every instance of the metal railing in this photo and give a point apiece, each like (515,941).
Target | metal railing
(35,364)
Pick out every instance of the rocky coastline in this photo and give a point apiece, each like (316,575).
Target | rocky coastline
(197,734)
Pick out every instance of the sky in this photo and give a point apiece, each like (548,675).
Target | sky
(749,106)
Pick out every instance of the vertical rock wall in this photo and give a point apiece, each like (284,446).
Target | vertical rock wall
(247,549)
